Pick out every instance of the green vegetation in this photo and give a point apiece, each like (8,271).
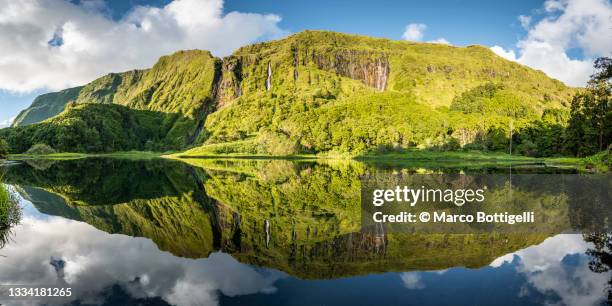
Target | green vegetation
(40,149)
(473,156)
(181,83)
(336,94)
(57,156)
(238,147)
(101,128)
(492,99)
(325,93)
(46,106)
(155,109)
(590,124)
(4,149)
(10,213)
(600,162)
(134,155)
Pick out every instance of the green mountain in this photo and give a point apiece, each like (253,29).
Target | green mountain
(180,83)
(46,106)
(312,92)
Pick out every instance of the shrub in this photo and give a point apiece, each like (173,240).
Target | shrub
(275,143)
(10,213)
(40,149)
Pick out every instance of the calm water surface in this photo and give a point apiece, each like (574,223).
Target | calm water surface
(214,232)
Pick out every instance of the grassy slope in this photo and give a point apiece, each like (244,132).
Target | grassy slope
(178,83)
(177,91)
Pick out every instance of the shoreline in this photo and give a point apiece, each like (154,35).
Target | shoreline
(438,157)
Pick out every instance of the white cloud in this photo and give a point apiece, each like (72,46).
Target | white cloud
(7,122)
(566,24)
(552,6)
(414,31)
(96,260)
(440,40)
(507,54)
(89,44)
(525,21)
(543,267)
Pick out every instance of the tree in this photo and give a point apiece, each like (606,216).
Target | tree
(590,125)
(4,149)
(601,256)
(603,69)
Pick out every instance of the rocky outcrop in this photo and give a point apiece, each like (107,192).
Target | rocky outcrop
(369,67)
(228,87)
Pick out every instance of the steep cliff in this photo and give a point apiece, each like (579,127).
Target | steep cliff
(322,91)
(46,106)
(161,108)
(179,83)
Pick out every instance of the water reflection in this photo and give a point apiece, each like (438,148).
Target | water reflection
(601,256)
(559,265)
(264,233)
(94,261)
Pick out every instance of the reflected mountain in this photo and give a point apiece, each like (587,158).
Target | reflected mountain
(302,218)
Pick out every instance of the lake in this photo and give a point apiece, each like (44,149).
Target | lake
(278,232)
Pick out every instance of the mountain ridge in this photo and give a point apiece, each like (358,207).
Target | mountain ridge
(229,61)
(265,87)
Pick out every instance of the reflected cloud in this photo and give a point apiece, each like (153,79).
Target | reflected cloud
(91,261)
(412,280)
(559,265)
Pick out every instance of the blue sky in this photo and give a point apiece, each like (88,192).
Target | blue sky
(59,44)
(461,22)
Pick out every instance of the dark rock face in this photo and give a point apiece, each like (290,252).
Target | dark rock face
(369,67)
(229,84)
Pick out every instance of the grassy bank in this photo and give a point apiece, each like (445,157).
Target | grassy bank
(424,155)
(596,163)
(68,155)
(416,155)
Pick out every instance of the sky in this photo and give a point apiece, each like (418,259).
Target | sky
(56,44)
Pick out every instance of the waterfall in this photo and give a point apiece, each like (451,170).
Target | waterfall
(269,78)
(382,71)
(267,230)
